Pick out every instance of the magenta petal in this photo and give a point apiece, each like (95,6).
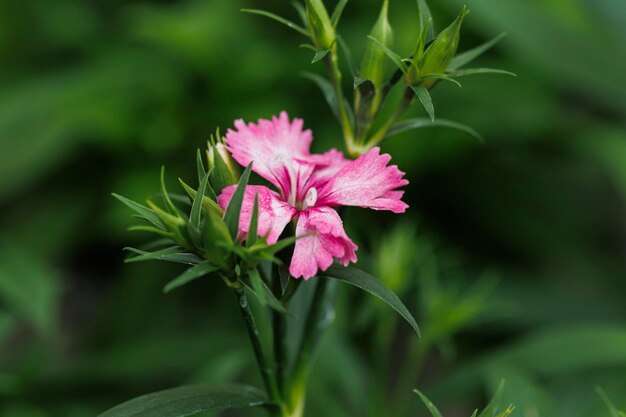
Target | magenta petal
(278,149)
(274,213)
(366,182)
(328,165)
(323,240)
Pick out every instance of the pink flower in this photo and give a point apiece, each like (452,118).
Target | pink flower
(309,186)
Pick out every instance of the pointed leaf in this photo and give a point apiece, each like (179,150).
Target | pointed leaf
(492,407)
(233,211)
(347,55)
(609,404)
(166,198)
(373,286)
(424,97)
(475,71)
(279,19)
(142,210)
(208,202)
(151,229)
(394,57)
(419,123)
(341,4)
(425,16)
(196,208)
(189,400)
(301,12)
(470,55)
(200,166)
(508,410)
(257,285)
(441,77)
(193,273)
(434,411)
(253,230)
(171,254)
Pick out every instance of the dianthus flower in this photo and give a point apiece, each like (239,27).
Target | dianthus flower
(310,185)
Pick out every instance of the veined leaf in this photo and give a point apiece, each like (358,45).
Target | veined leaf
(372,285)
(424,97)
(434,411)
(279,19)
(142,210)
(253,230)
(189,400)
(470,55)
(418,123)
(476,71)
(329,95)
(171,254)
(233,211)
(341,4)
(196,208)
(491,408)
(195,272)
(394,57)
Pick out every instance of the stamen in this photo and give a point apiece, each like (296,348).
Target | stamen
(310,199)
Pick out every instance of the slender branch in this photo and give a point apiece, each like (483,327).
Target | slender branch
(279,329)
(267,375)
(379,135)
(335,76)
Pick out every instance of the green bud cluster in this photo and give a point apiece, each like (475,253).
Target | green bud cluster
(198,232)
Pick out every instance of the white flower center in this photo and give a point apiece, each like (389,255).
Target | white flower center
(310,198)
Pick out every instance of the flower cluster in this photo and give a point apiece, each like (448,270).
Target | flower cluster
(309,185)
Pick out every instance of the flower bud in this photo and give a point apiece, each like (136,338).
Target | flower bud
(216,239)
(375,61)
(321,27)
(441,51)
(224,171)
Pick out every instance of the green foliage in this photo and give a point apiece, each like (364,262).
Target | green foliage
(188,401)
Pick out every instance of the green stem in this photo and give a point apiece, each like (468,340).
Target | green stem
(335,77)
(267,375)
(379,135)
(314,327)
(279,329)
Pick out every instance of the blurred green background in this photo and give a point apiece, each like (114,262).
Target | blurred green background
(512,255)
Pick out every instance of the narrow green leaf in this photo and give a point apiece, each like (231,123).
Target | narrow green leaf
(257,285)
(301,12)
(347,55)
(508,410)
(142,210)
(189,400)
(329,94)
(196,208)
(425,17)
(171,254)
(424,97)
(253,230)
(609,404)
(476,71)
(475,413)
(441,77)
(200,166)
(419,123)
(434,411)
(470,55)
(341,4)
(491,408)
(319,53)
(276,247)
(279,19)
(209,203)
(151,229)
(373,286)
(233,211)
(193,273)
(394,57)
(166,198)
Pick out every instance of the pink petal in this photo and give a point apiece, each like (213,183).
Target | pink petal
(366,182)
(274,212)
(324,239)
(278,149)
(328,165)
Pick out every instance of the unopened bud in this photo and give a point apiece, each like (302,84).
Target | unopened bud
(224,171)
(321,27)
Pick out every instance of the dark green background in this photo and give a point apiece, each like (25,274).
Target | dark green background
(96,96)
